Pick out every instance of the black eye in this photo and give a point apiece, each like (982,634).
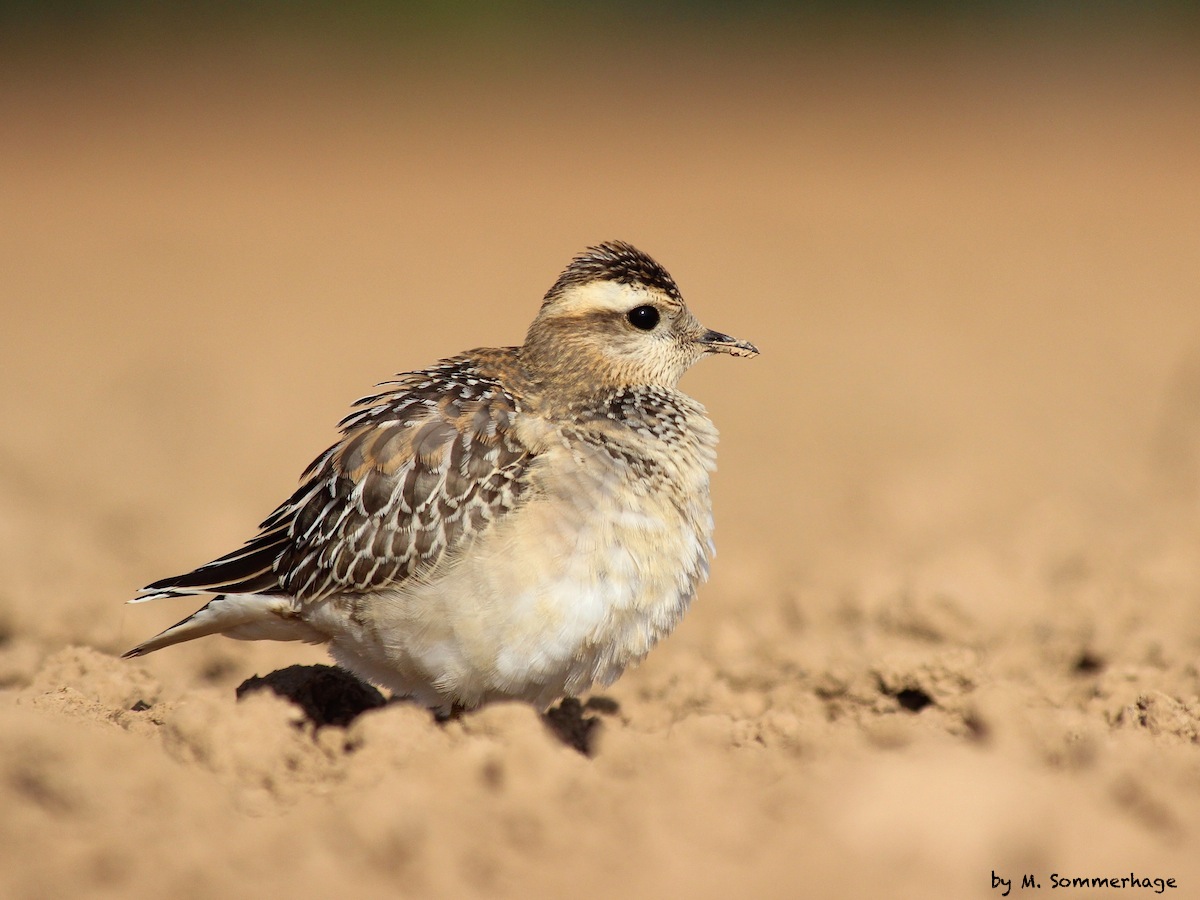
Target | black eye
(643,317)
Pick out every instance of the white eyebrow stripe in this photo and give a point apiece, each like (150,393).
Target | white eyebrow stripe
(607,296)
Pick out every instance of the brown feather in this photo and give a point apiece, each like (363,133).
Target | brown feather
(436,445)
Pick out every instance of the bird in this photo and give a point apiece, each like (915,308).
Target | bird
(515,523)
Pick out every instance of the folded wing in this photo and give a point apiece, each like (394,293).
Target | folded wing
(421,467)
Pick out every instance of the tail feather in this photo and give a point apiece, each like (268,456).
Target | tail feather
(249,569)
(249,617)
(146,595)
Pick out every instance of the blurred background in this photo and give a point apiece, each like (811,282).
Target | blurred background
(965,236)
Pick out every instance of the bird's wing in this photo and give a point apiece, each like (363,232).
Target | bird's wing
(422,466)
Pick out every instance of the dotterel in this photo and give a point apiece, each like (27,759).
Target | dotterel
(510,523)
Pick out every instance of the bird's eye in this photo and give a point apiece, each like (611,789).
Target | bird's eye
(643,317)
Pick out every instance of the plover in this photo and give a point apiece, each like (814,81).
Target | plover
(510,523)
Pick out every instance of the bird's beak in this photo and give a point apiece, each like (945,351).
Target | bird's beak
(715,342)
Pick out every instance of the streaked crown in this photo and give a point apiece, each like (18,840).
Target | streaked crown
(617,262)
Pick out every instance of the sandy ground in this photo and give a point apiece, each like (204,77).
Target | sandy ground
(952,629)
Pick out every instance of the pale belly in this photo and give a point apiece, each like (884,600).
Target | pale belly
(563,595)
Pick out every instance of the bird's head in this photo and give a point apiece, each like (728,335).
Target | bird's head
(614,318)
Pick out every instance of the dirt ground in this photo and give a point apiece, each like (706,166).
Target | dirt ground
(951,633)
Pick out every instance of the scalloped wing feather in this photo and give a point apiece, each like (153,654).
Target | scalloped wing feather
(420,469)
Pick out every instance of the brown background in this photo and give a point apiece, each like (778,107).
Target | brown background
(965,467)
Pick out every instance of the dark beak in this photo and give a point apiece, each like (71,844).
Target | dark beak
(715,342)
